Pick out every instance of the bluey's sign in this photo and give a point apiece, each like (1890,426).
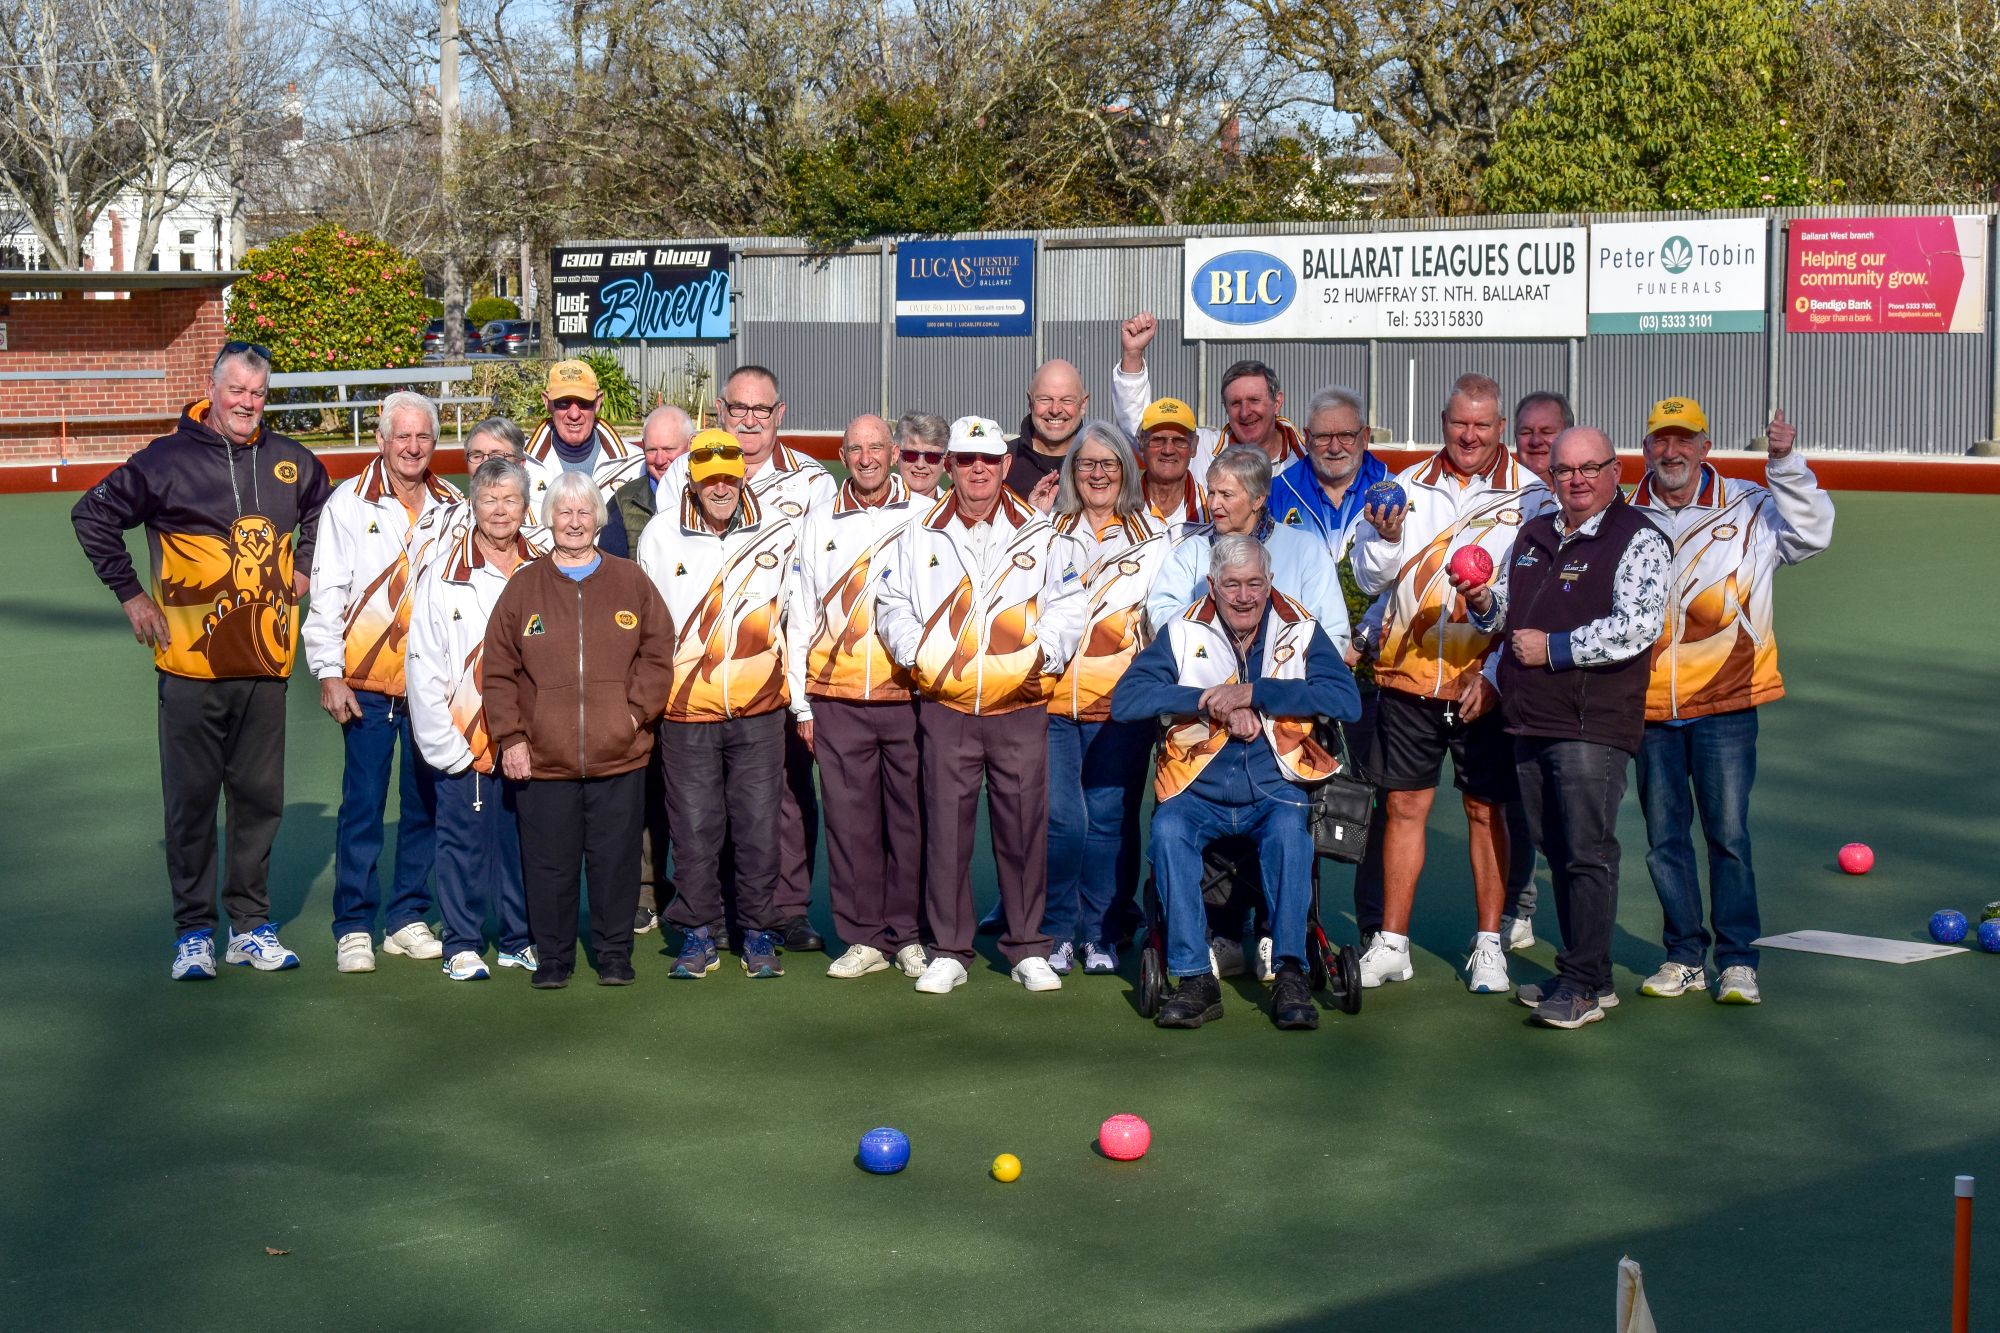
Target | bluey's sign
(640,289)
(965,289)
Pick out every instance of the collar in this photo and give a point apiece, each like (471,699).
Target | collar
(1015,513)
(847,502)
(197,412)
(1193,507)
(1266,525)
(1132,525)
(748,514)
(1590,525)
(374,484)
(1707,494)
(543,443)
(1501,475)
(466,555)
(1291,440)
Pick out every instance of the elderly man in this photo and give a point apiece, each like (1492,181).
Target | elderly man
(1166,445)
(355,637)
(1325,498)
(978,607)
(722,564)
(1057,405)
(1538,418)
(572,439)
(220,498)
(1715,665)
(1251,398)
(855,710)
(1433,671)
(1582,600)
(922,439)
(1240,678)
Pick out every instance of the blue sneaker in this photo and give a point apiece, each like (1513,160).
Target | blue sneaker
(699,956)
(260,949)
(194,956)
(760,954)
(523,958)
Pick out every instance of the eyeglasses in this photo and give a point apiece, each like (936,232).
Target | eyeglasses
(1098,466)
(1350,438)
(239,348)
(572,405)
(1588,471)
(1169,439)
(928,457)
(710,452)
(1044,402)
(754,411)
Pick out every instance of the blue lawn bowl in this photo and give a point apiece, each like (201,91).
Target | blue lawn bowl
(1386,495)
(884,1151)
(1989,936)
(1948,927)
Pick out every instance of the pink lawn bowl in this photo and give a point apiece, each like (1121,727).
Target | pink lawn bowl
(1124,1138)
(1471,564)
(1857,858)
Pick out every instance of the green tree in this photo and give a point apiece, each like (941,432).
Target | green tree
(488,308)
(899,166)
(1746,166)
(330,299)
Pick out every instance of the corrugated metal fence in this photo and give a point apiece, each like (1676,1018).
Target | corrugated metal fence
(826,324)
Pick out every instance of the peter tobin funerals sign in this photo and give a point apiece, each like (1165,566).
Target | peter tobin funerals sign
(640,289)
(1689,276)
(1886,275)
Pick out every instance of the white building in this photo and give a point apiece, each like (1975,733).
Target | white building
(194,233)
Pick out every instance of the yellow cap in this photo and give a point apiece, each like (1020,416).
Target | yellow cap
(572,379)
(1168,412)
(1684,413)
(714,453)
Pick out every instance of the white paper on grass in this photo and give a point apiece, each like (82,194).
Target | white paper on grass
(1634,1315)
(1870,947)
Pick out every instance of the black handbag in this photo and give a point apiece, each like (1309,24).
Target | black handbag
(1341,809)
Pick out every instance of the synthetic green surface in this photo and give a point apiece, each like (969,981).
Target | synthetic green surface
(680,1155)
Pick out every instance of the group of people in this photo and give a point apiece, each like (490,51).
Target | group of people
(654,673)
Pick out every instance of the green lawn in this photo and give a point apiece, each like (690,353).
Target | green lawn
(681,1155)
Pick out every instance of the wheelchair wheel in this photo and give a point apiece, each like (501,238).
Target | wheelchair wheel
(1317,969)
(1152,981)
(1348,991)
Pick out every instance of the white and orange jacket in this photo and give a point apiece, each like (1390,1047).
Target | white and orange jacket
(361,581)
(1428,645)
(726,597)
(832,649)
(1718,652)
(981,635)
(453,600)
(616,463)
(790,483)
(1118,566)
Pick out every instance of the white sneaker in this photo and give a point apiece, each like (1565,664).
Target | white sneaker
(1267,960)
(1486,971)
(354,952)
(1737,985)
(858,961)
(194,956)
(525,960)
(911,961)
(465,965)
(1225,957)
(260,949)
(1673,979)
(1386,960)
(943,976)
(1036,974)
(414,941)
(1517,933)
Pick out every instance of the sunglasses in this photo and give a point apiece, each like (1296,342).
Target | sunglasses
(710,452)
(239,348)
(930,457)
(572,405)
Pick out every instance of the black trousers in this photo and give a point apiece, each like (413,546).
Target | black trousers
(221,737)
(590,825)
(726,781)
(1570,791)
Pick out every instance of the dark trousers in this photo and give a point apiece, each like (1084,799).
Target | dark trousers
(798,832)
(656,844)
(874,826)
(1368,873)
(1522,891)
(370,742)
(727,778)
(216,737)
(590,825)
(1009,752)
(479,862)
(1570,791)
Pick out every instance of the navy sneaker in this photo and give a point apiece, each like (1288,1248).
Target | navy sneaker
(1568,1008)
(760,954)
(194,956)
(699,956)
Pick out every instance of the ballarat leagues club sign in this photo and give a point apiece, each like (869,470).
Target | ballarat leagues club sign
(640,289)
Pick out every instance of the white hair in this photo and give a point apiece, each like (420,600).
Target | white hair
(404,401)
(1250,466)
(668,412)
(1237,550)
(571,486)
(497,472)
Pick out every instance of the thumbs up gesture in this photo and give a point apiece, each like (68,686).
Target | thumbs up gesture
(1781,434)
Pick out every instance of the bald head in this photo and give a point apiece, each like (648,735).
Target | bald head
(1056,405)
(868,449)
(1583,471)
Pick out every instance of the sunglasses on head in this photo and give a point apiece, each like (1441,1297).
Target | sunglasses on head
(239,348)
(933,457)
(710,452)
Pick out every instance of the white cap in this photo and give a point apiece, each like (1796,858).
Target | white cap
(977,435)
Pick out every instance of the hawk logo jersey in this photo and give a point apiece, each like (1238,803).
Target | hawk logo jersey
(361,581)
(615,463)
(1206,658)
(832,648)
(443,670)
(1428,644)
(1718,651)
(726,598)
(1116,569)
(982,631)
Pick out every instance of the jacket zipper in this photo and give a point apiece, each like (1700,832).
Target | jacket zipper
(582,768)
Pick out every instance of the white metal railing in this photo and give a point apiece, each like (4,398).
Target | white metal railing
(340,381)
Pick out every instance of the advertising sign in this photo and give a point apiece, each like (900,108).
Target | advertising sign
(1516,283)
(1678,277)
(1886,275)
(640,289)
(965,289)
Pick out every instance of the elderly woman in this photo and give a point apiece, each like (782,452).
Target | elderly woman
(579,655)
(922,437)
(1116,547)
(478,850)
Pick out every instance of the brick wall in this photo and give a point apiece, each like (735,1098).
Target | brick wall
(174,331)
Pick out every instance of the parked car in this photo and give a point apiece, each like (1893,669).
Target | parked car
(511,337)
(434,337)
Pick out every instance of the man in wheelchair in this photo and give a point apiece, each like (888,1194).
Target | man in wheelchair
(1239,680)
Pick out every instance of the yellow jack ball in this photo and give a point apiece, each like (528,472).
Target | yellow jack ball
(1006,1168)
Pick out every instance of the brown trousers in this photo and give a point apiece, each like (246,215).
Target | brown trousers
(872,805)
(1009,752)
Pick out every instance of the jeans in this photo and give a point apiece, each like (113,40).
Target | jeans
(1095,772)
(1716,756)
(1184,825)
(479,863)
(371,741)
(1570,792)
